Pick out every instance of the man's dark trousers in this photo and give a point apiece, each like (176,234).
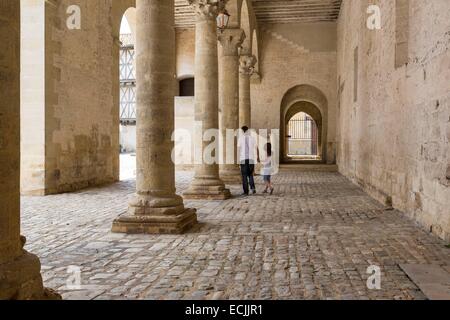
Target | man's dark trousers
(247,171)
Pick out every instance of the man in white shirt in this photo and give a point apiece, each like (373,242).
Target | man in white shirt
(247,157)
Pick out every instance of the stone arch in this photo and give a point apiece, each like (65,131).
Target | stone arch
(308,99)
(246,26)
(255,51)
(250,46)
(120,9)
(312,111)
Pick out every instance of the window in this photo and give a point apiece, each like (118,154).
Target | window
(127,80)
(187,87)
(127,72)
(127,103)
(401,32)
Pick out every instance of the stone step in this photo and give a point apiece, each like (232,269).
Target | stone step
(433,280)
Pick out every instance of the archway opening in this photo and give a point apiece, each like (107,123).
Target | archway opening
(311,101)
(127,66)
(303,129)
(303,137)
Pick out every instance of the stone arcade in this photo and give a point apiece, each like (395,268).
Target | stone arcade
(364,126)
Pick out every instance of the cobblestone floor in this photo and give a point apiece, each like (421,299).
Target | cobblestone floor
(313,239)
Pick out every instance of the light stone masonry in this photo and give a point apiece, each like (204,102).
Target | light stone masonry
(206,183)
(394,140)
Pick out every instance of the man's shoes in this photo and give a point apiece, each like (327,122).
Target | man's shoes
(271,191)
(244,195)
(254,191)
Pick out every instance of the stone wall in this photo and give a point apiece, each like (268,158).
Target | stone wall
(293,55)
(394,117)
(71,119)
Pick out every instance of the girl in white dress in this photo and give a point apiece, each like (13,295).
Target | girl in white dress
(267,169)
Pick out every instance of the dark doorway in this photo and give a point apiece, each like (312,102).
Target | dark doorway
(187,87)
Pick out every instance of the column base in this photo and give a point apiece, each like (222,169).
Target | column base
(21,279)
(207,193)
(156,224)
(231,174)
(232,178)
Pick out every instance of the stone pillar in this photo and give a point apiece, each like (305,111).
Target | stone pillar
(230,40)
(206,183)
(155,208)
(20,276)
(247,65)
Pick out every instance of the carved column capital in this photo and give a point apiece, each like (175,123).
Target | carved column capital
(231,40)
(207,9)
(247,65)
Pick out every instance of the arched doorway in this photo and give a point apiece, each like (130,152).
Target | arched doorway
(127,94)
(303,127)
(302,137)
(303,132)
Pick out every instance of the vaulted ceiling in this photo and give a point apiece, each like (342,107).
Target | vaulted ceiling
(274,11)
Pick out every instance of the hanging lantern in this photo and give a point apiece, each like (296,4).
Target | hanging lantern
(222,20)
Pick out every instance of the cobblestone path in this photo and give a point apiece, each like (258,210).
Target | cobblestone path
(313,239)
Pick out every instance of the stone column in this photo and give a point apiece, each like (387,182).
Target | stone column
(230,40)
(247,64)
(206,183)
(20,277)
(155,207)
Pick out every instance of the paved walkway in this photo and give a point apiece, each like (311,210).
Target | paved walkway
(313,239)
